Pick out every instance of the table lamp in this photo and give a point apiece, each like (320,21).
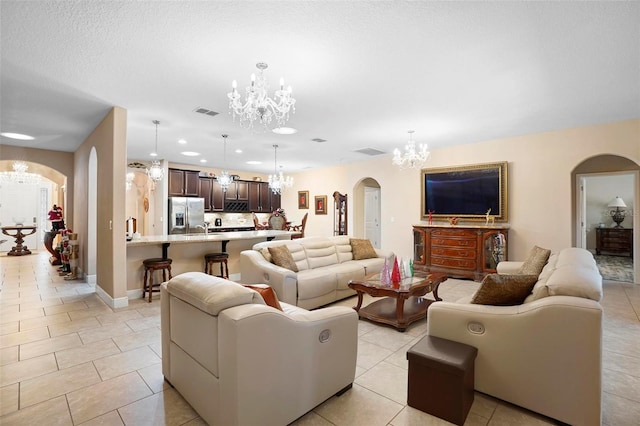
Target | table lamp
(617,215)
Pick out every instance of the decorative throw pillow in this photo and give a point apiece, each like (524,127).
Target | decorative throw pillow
(362,249)
(281,256)
(504,290)
(538,257)
(267,293)
(266,254)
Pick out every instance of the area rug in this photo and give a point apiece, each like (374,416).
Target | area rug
(615,268)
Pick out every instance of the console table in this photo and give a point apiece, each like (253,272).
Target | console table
(461,251)
(614,241)
(18,249)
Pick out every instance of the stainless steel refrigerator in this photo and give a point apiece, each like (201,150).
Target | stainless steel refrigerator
(186,215)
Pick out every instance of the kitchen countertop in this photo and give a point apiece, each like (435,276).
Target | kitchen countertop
(212,236)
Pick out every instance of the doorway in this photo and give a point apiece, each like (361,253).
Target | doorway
(611,243)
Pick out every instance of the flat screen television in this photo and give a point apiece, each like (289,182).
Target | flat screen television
(466,192)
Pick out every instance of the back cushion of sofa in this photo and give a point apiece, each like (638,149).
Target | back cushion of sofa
(320,253)
(540,290)
(343,248)
(299,256)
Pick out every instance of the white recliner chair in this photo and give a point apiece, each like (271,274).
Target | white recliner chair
(238,361)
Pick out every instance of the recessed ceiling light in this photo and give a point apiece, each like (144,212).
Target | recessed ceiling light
(18,136)
(154,154)
(253,162)
(238,151)
(285,130)
(202,160)
(190,153)
(182,141)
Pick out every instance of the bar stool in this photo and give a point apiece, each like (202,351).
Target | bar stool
(151,265)
(221,258)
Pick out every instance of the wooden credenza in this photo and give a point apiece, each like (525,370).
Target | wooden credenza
(460,251)
(614,241)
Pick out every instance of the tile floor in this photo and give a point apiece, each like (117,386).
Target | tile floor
(68,359)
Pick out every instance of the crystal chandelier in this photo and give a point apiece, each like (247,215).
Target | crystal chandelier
(155,172)
(259,108)
(411,158)
(19,174)
(277,181)
(224,179)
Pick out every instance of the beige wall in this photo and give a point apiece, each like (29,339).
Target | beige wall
(540,184)
(109,141)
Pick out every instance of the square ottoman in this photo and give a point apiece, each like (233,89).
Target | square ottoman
(441,378)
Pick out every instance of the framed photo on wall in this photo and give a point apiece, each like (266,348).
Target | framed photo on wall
(321,204)
(303,199)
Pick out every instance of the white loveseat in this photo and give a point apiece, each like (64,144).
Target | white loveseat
(544,355)
(325,267)
(238,361)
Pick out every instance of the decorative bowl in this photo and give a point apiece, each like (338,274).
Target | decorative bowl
(19,221)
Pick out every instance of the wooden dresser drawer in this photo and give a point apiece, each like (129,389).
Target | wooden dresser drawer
(453,242)
(469,264)
(453,233)
(461,253)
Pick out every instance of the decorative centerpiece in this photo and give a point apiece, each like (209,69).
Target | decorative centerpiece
(453,220)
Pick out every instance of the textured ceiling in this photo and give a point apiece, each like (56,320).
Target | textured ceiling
(363,73)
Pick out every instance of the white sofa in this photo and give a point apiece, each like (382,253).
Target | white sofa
(544,355)
(325,267)
(238,361)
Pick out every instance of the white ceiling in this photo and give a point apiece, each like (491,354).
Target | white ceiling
(363,73)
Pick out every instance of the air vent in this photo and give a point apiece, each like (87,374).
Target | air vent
(205,111)
(319,140)
(369,151)
(137,165)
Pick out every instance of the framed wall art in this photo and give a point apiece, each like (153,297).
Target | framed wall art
(303,199)
(321,204)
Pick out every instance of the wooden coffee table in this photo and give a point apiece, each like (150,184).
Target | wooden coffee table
(402,303)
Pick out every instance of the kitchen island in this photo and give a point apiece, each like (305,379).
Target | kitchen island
(187,252)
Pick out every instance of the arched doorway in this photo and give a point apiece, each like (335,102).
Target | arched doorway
(597,181)
(367,211)
(35,199)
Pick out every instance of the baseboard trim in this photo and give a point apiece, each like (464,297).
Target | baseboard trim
(120,302)
(91,279)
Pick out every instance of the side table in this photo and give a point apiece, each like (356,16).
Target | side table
(19,249)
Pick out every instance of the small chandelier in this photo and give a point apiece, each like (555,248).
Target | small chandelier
(20,174)
(258,107)
(155,172)
(411,158)
(224,179)
(277,181)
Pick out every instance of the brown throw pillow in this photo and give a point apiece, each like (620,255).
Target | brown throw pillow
(268,294)
(504,290)
(362,249)
(281,256)
(538,257)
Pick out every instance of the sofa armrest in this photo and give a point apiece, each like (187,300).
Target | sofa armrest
(384,253)
(311,356)
(534,355)
(508,267)
(255,269)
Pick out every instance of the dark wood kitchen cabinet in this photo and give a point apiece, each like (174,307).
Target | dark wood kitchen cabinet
(183,183)
(260,197)
(211,191)
(238,191)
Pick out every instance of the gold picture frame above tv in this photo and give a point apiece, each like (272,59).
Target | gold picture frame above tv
(466,192)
